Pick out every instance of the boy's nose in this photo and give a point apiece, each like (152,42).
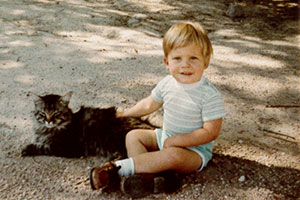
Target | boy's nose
(185,63)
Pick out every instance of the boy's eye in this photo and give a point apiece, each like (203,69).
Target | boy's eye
(176,58)
(194,58)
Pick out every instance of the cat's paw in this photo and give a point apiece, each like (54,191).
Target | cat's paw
(29,150)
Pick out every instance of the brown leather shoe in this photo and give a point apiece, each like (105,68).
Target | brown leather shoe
(105,176)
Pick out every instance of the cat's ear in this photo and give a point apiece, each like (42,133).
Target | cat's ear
(66,98)
(36,98)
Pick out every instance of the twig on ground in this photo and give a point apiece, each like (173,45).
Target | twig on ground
(276,133)
(40,163)
(283,106)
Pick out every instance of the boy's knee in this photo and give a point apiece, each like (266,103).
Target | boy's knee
(131,135)
(174,156)
(134,136)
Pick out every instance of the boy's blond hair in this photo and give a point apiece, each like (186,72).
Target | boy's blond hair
(183,34)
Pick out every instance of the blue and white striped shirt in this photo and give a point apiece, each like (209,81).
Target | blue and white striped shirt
(187,106)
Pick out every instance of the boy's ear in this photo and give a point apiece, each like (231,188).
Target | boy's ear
(166,62)
(206,64)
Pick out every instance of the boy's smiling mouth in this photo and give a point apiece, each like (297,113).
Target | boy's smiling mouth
(186,73)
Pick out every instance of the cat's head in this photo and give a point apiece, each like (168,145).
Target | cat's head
(52,111)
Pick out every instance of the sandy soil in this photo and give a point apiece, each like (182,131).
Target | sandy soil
(109,53)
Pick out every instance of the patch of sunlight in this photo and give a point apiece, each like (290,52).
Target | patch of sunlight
(20,43)
(8,64)
(107,57)
(17,12)
(72,33)
(281,43)
(255,60)
(227,32)
(26,79)
(17,122)
(251,38)
(245,43)
(154,53)
(149,5)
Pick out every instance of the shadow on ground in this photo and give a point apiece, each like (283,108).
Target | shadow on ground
(226,175)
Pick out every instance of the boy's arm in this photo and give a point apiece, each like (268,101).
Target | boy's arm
(209,132)
(143,107)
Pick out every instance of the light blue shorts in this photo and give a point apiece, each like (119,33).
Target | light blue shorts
(204,151)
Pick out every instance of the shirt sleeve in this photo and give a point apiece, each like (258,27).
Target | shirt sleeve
(214,108)
(157,92)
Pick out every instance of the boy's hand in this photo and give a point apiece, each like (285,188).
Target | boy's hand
(169,142)
(165,139)
(142,108)
(166,143)
(119,114)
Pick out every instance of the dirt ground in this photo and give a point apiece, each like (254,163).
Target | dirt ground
(109,53)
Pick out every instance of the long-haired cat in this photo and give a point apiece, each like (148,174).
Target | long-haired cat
(90,131)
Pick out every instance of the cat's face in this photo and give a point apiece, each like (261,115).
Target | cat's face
(52,111)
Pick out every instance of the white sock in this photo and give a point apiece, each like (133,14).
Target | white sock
(127,166)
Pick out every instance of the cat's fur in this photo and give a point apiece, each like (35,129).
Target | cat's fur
(90,131)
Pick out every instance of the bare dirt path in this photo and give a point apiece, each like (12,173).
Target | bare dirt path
(109,53)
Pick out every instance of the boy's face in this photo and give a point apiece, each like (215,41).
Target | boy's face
(186,64)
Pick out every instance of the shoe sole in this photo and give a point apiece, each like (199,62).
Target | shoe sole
(138,186)
(91,179)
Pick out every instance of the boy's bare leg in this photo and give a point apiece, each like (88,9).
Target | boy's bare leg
(142,147)
(140,141)
(172,158)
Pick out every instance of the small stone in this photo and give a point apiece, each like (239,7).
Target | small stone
(242,179)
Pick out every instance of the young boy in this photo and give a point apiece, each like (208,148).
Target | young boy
(193,112)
